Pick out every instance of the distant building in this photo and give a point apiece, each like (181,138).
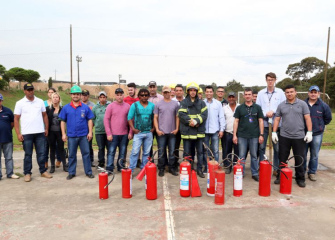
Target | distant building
(99,83)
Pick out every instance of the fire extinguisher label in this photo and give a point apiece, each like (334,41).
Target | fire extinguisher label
(145,182)
(184,182)
(238,178)
(219,189)
(131,187)
(208,176)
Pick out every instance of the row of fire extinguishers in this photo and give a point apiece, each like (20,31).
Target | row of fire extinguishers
(189,185)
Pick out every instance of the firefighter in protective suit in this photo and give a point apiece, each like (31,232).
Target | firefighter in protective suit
(193,114)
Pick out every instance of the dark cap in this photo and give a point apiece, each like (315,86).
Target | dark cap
(28,86)
(231,94)
(314,87)
(85,92)
(119,90)
(131,85)
(152,83)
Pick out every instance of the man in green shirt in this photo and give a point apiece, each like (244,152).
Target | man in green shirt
(248,130)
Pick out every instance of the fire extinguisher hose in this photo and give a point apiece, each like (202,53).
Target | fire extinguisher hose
(109,173)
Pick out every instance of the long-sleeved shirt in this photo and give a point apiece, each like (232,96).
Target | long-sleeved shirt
(270,101)
(115,120)
(215,120)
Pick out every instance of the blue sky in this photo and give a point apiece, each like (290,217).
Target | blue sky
(166,41)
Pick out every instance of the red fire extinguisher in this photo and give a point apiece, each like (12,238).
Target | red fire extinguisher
(212,167)
(220,176)
(185,177)
(103,182)
(126,179)
(286,176)
(265,169)
(150,173)
(238,178)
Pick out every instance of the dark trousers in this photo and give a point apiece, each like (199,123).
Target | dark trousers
(55,142)
(91,150)
(102,145)
(298,146)
(198,145)
(166,141)
(229,147)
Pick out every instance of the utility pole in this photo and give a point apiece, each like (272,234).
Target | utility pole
(120,76)
(71,54)
(326,68)
(79,59)
(55,73)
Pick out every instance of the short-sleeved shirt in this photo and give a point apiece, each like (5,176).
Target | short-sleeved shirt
(31,115)
(248,125)
(6,118)
(293,120)
(76,119)
(130,100)
(143,116)
(167,112)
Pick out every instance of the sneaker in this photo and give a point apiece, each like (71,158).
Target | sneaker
(256,178)
(201,174)
(312,177)
(52,169)
(90,175)
(93,165)
(46,175)
(101,165)
(70,176)
(27,178)
(14,176)
(161,173)
(173,172)
(301,184)
(277,181)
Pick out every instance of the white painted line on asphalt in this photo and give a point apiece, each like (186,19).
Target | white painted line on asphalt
(168,211)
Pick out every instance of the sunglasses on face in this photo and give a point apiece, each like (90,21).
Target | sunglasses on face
(144,95)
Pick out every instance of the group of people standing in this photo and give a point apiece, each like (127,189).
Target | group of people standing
(168,118)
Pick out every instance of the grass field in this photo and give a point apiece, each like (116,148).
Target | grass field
(12,96)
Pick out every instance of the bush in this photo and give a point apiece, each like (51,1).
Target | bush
(60,88)
(3,84)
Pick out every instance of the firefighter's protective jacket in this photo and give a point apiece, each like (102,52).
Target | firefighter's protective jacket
(196,110)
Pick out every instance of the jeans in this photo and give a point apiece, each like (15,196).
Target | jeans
(198,145)
(7,149)
(102,144)
(314,147)
(139,139)
(39,140)
(229,146)
(56,143)
(252,143)
(298,146)
(214,146)
(83,144)
(166,140)
(91,150)
(119,141)
(262,148)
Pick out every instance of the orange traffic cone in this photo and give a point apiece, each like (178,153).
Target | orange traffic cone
(195,188)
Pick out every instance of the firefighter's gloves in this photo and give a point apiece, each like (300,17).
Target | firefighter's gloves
(309,137)
(274,137)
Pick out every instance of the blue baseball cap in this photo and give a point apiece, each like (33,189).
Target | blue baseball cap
(1,97)
(314,87)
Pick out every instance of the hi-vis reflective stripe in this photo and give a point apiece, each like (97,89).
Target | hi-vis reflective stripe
(200,135)
(193,116)
(204,109)
(200,118)
(182,110)
(189,136)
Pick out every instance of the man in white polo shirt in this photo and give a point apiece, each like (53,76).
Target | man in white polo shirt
(34,128)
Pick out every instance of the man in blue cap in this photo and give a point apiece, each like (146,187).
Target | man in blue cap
(321,115)
(6,139)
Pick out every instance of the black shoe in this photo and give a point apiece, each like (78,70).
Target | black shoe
(90,175)
(277,181)
(65,168)
(173,172)
(228,170)
(301,184)
(93,165)
(201,174)
(256,178)
(52,169)
(70,176)
(101,165)
(161,173)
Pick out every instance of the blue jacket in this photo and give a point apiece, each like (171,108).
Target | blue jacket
(320,114)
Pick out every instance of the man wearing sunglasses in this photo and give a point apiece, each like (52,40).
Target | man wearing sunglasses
(140,120)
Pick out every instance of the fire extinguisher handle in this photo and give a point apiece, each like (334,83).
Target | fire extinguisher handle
(123,163)
(113,175)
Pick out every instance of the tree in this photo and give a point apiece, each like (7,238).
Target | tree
(283,83)
(16,73)
(234,86)
(32,76)
(307,68)
(2,70)
(50,82)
